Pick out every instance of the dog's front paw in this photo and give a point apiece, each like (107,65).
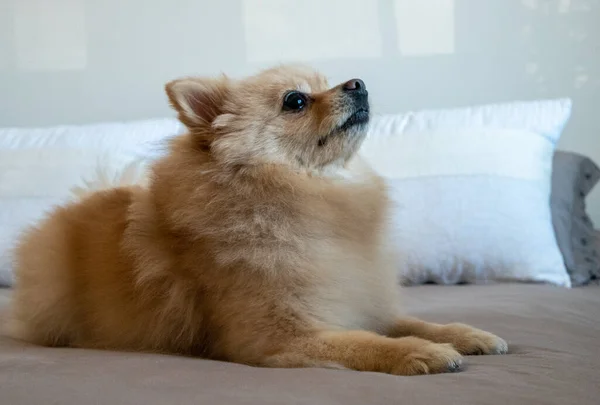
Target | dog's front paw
(429,358)
(469,340)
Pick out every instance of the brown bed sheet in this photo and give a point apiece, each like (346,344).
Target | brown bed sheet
(553,333)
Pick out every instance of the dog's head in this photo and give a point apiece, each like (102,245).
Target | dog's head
(285,115)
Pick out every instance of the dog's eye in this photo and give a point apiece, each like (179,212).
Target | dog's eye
(294,101)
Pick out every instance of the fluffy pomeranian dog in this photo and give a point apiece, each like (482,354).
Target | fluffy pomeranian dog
(260,239)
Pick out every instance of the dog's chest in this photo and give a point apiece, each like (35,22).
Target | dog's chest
(356,285)
(354,291)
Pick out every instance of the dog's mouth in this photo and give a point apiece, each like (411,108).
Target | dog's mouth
(359,117)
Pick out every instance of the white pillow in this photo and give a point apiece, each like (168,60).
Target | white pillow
(445,178)
(39,168)
(471,191)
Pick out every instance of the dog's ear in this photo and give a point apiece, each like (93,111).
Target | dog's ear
(198,100)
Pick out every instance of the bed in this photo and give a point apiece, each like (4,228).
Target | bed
(553,333)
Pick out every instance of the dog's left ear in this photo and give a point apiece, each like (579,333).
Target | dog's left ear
(198,100)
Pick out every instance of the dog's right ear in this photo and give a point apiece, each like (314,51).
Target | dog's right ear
(198,100)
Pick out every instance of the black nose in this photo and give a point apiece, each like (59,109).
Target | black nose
(355,85)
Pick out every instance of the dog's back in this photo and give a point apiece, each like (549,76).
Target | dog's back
(71,266)
(55,262)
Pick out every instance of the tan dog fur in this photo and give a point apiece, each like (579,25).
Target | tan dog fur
(253,243)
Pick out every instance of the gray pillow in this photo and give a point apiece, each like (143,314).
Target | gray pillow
(573,176)
(596,273)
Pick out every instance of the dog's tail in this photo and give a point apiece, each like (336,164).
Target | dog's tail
(108,176)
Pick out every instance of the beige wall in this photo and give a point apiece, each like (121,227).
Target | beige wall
(79,61)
